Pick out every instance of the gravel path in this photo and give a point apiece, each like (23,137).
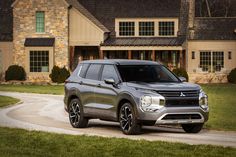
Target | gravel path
(46,113)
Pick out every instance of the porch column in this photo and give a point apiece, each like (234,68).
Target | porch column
(182,59)
(129,54)
(153,55)
(71,59)
(101,54)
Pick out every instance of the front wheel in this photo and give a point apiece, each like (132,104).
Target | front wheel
(128,120)
(76,114)
(192,128)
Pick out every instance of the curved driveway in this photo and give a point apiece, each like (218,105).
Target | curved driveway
(46,113)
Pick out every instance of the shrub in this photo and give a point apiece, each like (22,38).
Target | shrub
(59,75)
(15,72)
(232,76)
(180,72)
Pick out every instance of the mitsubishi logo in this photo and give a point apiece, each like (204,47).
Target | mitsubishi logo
(182,94)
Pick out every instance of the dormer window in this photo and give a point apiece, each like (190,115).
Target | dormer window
(166,28)
(146,28)
(40,22)
(126,28)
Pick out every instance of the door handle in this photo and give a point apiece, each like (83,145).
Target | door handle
(99,85)
(81,82)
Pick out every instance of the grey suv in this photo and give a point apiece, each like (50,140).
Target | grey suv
(133,93)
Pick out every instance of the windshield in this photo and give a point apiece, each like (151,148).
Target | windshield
(146,73)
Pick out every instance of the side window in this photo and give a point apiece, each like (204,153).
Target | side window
(93,72)
(83,70)
(109,71)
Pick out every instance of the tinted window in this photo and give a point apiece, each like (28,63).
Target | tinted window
(109,71)
(83,70)
(93,72)
(146,73)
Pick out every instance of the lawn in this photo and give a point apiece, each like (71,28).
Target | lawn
(17,142)
(222,102)
(5,101)
(41,89)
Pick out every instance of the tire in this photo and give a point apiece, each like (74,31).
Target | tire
(192,128)
(76,114)
(128,120)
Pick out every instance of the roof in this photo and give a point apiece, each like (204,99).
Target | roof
(120,62)
(86,13)
(107,10)
(6,20)
(151,41)
(39,42)
(214,29)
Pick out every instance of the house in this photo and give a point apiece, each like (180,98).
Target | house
(65,32)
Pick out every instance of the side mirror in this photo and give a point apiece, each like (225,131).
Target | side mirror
(110,81)
(183,79)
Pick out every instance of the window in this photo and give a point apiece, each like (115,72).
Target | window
(40,22)
(166,28)
(126,28)
(193,54)
(218,61)
(39,61)
(229,55)
(211,61)
(93,72)
(83,70)
(146,28)
(205,61)
(109,71)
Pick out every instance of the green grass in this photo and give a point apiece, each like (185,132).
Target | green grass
(16,142)
(222,103)
(5,101)
(41,89)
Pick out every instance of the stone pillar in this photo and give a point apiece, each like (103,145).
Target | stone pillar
(153,55)
(191,17)
(129,54)
(101,54)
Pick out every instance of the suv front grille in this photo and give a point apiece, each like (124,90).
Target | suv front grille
(193,93)
(181,102)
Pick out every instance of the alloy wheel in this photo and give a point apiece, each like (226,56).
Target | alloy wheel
(74,113)
(126,118)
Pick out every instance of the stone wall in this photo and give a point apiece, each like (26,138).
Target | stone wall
(208,78)
(56,26)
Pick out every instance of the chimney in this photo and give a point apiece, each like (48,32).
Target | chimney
(191,17)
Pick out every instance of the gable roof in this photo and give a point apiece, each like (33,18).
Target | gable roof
(107,10)
(6,20)
(214,29)
(86,13)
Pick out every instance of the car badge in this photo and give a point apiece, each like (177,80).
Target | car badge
(182,94)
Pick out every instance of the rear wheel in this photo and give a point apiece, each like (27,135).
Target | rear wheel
(76,114)
(128,120)
(192,128)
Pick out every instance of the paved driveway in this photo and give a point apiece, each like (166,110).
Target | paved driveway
(46,113)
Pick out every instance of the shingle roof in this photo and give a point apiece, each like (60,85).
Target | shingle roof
(153,41)
(6,20)
(107,10)
(215,29)
(85,12)
(40,42)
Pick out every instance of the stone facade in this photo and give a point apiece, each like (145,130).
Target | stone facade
(56,26)
(205,78)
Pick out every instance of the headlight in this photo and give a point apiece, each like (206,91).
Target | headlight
(152,103)
(203,100)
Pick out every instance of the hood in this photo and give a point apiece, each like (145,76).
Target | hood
(179,86)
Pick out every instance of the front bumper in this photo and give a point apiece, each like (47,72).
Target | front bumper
(185,115)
